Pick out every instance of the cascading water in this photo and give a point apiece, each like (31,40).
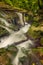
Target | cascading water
(20,18)
(16,37)
(4,21)
(25,45)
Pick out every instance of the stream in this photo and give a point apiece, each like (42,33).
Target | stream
(16,37)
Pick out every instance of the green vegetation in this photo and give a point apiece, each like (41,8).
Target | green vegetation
(35,50)
(35,33)
(9,50)
(6,55)
(33,5)
(12,50)
(3,32)
(39,53)
(35,23)
(29,55)
(14,27)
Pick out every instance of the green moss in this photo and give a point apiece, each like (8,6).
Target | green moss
(13,27)
(6,54)
(35,50)
(3,32)
(33,34)
(12,50)
(22,59)
(35,23)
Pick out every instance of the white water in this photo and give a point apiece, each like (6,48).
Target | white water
(4,21)
(20,18)
(20,53)
(16,37)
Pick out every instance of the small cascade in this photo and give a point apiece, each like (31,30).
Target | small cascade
(20,18)
(4,21)
(16,37)
(25,45)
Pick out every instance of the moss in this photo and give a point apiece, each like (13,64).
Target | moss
(35,30)
(35,23)
(4,59)
(12,50)
(13,27)
(3,32)
(6,55)
(34,34)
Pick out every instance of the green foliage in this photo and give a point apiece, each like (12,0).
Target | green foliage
(25,51)
(22,59)
(32,5)
(7,53)
(33,34)
(14,27)
(12,50)
(35,50)
(35,23)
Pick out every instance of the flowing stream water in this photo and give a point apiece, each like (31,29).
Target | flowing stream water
(16,37)
(4,21)
(20,18)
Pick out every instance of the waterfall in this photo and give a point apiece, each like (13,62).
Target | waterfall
(25,28)
(20,18)
(16,37)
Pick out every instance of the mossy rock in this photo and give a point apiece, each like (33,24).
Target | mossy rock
(3,32)
(34,34)
(6,55)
